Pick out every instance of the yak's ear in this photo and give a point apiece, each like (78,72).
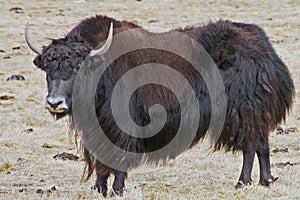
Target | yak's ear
(38,61)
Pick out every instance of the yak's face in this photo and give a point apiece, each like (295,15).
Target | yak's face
(61,61)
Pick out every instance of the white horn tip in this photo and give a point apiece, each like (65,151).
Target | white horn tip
(107,44)
(93,52)
(34,48)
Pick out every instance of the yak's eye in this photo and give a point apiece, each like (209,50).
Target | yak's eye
(70,63)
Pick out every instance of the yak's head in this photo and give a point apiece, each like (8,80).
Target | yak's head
(61,61)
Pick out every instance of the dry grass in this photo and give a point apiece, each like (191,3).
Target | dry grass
(28,171)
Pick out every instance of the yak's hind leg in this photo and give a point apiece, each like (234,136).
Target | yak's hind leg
(263,154)
(119,183)
(245,177)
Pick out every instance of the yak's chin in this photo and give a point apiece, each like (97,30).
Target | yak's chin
(59,115)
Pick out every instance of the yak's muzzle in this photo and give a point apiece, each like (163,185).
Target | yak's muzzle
(56,104)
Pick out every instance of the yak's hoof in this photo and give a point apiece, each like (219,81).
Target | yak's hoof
(267,182)
(101,191)
(104,193)
(117,192)
(240,184)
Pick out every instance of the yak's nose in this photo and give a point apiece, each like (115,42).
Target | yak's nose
(56,104)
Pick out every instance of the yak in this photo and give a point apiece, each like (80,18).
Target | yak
(258,86)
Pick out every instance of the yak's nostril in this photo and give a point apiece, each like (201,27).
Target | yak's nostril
(54,104)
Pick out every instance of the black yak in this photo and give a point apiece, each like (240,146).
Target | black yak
(258,86)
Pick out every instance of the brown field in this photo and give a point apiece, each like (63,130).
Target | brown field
(30,137)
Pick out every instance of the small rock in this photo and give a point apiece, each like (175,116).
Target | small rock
(292,129)
(17,77)
(48,146)
(280,130)
(66,156)
(285,164)
(285,150)
(20,160)
(16,10)
(53,188)
(22,190)
(153,21)
(28,130)
(6,97)
(39,191)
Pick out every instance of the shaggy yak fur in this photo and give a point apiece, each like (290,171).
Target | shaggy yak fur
(257,83)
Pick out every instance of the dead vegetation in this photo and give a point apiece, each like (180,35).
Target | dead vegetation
(30,137)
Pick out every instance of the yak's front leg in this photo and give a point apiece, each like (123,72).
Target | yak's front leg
(263,154)
(102,172)
(119,183)
(101,184)
(245,177)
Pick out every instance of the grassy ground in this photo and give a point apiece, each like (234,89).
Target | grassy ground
(29,137)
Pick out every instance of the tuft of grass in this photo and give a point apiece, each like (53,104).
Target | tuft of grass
(5,166)
(8,144)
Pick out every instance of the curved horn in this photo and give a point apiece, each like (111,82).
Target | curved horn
(107,44)
(34,48)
